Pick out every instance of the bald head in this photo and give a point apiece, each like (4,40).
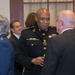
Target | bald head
(42,10)
(65,19)
(42,18)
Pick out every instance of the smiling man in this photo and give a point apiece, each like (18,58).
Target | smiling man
(16,29)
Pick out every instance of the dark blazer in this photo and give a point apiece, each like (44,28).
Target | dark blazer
(17,67)
(31,46)
(6,56)
(60,55)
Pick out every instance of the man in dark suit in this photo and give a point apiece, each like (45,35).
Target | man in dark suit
(16,29)
(60,55)
(33,42)
(6,49)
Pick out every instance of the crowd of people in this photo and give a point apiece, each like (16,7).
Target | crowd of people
(39,49)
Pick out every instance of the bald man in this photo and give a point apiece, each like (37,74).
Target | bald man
(60,55)
(33,42)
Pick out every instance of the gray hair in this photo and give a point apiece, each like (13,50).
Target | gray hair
(68,16)
(4,25)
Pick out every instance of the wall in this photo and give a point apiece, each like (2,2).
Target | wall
(5,8)
(16,11)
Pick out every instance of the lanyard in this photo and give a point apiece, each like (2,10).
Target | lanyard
(44,41)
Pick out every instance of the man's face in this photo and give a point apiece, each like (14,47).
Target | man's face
(43,20)
(17,28)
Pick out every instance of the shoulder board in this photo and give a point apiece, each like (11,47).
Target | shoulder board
(27,28)
(53,27)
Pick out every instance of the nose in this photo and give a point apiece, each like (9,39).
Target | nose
(45,21)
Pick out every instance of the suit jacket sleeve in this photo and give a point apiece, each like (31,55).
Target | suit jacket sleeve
(52,57)
(22,54)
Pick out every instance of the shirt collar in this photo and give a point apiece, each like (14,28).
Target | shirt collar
(66,29)
(16,35)
(43,30)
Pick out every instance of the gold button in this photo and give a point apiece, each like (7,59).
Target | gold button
(49,36)
(32,44)
(33,30)
(44,48)
(43,34)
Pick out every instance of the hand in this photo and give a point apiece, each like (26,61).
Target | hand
(53,35)
(38,60)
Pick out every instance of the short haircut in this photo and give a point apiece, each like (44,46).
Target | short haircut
(11,24)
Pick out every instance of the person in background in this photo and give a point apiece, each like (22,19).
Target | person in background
(16,29)
(30,20)
(60,54)
(6,49)
(33,42)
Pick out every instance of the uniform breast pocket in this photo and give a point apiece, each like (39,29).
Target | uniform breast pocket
(33,42)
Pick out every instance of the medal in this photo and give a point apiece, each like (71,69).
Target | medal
(44,42)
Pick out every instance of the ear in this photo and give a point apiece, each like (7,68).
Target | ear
(61,22)
(12,30)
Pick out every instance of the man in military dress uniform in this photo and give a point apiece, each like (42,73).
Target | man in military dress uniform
(33,42)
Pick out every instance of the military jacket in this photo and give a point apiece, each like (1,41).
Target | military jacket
(32,44)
